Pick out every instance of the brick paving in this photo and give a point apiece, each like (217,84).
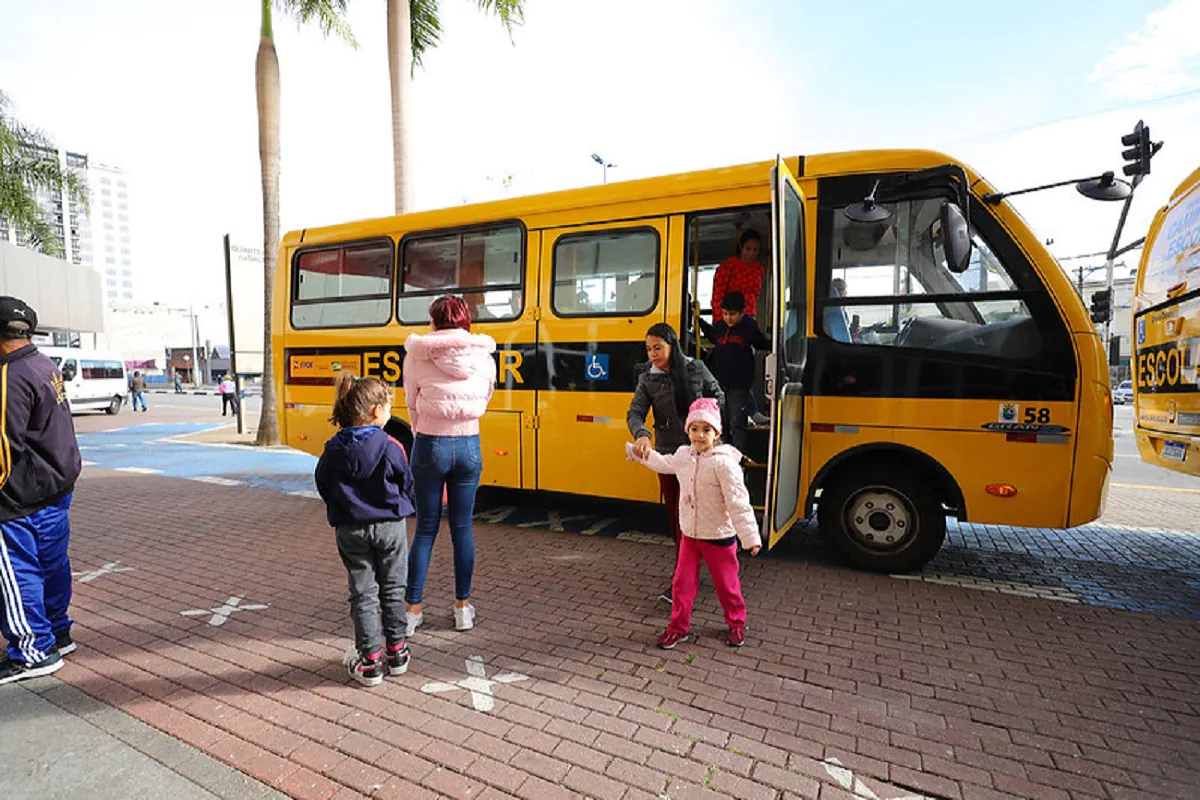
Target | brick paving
(851,685)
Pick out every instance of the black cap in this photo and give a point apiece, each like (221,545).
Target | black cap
(14,310)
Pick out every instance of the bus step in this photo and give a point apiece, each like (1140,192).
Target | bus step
(759,508)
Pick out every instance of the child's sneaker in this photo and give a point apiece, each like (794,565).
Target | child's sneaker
(64,643)
(665,594)
(669,639)
(412,622)
(464,618)
(366,668)
(736,638)
(397,658)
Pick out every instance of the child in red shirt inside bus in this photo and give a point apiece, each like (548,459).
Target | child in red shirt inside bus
(740,273)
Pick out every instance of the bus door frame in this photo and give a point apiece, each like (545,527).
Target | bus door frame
(785,503)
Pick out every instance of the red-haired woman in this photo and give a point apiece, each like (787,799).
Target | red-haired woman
(449,376)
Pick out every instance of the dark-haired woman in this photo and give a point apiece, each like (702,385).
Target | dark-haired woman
(668,385)
(449,376)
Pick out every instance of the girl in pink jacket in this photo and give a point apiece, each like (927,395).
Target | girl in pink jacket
(449,376)
(714,513)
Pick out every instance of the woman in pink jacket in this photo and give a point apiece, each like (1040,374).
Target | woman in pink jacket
(449,376)
(714,513)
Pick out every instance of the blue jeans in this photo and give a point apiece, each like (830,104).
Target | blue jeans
(139,396)
(35,580)
(453,462)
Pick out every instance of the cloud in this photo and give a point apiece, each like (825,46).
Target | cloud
(1161,58)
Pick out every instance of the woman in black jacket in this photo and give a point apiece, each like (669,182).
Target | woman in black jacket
(668,385)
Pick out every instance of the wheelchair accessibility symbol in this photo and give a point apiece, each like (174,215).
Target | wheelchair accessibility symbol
(597,367)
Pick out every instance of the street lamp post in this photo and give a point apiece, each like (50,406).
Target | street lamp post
(604,164)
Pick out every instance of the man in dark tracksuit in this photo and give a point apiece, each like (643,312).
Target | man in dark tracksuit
(39,463)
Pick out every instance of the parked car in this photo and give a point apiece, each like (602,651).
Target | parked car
(1123,393)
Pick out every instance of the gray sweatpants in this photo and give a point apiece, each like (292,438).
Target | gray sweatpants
(376,559)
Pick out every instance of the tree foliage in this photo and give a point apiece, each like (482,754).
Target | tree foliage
(29,165)
(427,25)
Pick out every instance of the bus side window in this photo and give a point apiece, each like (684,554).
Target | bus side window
(608,272)
(484,265)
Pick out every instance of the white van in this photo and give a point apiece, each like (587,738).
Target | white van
(94,379)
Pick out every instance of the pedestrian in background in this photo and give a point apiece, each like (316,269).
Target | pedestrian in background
(667,386)
(718,515)
(229,396)
(39,464)
(178,384)
(449,377)
(364,479)
(137,390)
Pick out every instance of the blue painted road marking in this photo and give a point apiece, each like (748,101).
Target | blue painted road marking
(152,446)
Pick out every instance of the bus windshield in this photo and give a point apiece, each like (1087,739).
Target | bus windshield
(885,270)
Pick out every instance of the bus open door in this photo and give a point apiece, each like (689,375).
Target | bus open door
(788,318)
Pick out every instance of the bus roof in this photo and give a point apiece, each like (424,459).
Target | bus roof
(686,183)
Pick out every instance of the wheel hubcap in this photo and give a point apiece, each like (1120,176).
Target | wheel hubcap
(880,518)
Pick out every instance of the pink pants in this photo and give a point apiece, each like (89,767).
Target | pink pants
(722,562)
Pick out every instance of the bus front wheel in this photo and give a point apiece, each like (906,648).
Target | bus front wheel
(114,406)
(883,518)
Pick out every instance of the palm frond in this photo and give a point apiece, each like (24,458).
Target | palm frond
(330,16)
(510,12)
(426,28)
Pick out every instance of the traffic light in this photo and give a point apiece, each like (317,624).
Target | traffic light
(1140,151)
(1102,305)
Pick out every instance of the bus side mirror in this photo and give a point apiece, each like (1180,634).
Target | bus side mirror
(956,238)
(68,373)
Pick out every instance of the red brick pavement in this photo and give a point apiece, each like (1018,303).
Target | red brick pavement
(913,688)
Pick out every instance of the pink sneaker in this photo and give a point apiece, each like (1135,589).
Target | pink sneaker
(669,639)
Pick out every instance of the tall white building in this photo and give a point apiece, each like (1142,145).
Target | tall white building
(99,238)
(111,240)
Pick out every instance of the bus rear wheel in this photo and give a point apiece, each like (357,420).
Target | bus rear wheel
(114,405)
(883,518)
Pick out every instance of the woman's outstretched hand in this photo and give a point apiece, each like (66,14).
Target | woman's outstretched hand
(641,448)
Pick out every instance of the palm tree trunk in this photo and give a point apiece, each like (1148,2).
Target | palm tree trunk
(266,71)
(400,59)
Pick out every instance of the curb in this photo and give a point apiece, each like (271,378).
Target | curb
(179,757)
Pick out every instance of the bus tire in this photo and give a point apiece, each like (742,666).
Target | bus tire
(114,405)
(883,518)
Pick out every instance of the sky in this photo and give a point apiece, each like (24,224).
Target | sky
(1025,92)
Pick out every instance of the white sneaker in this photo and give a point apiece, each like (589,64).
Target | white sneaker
(464,618)
(413,621)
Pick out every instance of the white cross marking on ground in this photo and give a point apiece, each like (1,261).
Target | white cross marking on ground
(222,613)
(477,683)
(846,779)
(107,569)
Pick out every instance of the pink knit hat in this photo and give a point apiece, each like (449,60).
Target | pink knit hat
(704,410)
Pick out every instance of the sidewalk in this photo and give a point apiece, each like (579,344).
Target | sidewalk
(71,745)
(228,637)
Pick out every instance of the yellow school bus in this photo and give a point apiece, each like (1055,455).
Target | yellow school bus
(930,359)
(1166,317)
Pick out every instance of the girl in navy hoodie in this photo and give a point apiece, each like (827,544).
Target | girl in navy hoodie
(364,479)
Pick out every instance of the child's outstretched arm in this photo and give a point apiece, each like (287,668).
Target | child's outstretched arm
(655,460)
(737,504)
